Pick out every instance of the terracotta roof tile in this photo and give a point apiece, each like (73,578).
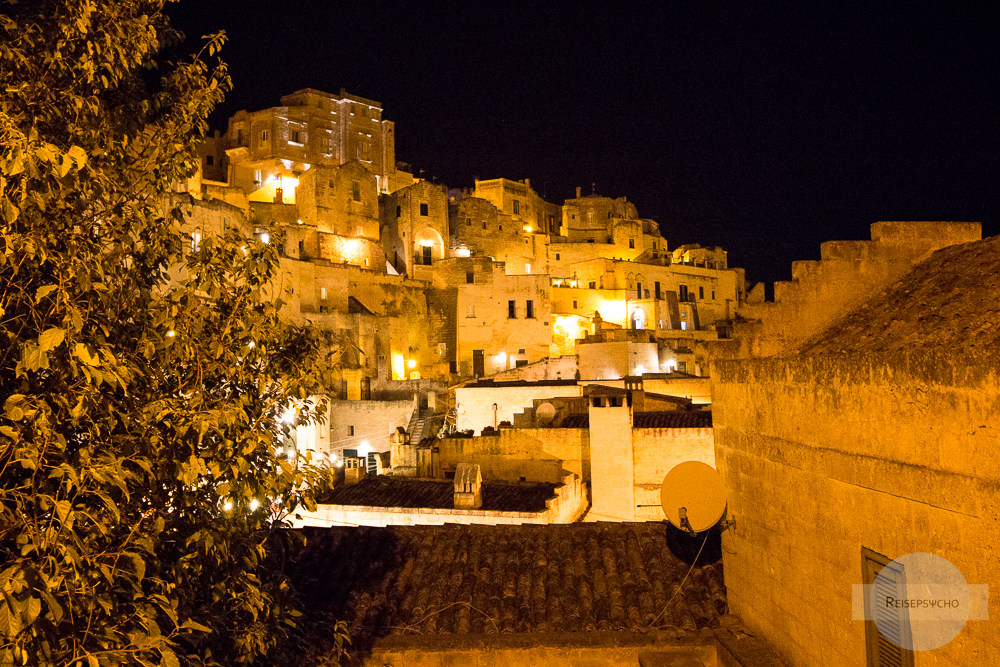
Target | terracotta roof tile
(664,419)
(456,579)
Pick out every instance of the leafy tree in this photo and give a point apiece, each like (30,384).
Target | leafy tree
(140,483)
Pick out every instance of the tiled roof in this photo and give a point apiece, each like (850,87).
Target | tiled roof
(521,383)
(386,491)
(434,580)
(672,419)
(665,419)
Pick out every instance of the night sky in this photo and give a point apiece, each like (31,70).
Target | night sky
(765,129)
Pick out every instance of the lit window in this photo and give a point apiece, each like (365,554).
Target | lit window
(256,176)
(471,312)
(684,326)
(322,293)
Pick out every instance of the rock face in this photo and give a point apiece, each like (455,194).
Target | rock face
(950,302)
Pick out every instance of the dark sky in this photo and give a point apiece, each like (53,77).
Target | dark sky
(765,129)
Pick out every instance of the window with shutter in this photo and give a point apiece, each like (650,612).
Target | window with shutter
(887,627)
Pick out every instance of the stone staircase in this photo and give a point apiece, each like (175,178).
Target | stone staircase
(418,420)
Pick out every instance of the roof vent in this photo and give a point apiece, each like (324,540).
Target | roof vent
(468,486)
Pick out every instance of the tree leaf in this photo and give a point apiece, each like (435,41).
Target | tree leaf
(51,339)
(84,354)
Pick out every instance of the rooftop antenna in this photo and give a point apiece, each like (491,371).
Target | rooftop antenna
(693,497)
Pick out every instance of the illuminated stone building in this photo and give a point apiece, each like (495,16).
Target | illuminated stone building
(310,128)
(421,283)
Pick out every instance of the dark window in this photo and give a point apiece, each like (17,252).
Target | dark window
(239,137)
(350,430)
(470,277)
(302,247)
(656,289)
(426,252)
(478,363)
(701,292)
(520,362)
(638,290)
(631,243)
(590,240)
(453,367)
(209,160)
(356,190)
(713,295)
(468,222)
(517,207)
(682,292)
(423,209)
(557,257)
(574,304)
(682,366)
(296,136)
(529,308)
(484,224)
(399,211)
(521,351)
(511,309)
(592,284)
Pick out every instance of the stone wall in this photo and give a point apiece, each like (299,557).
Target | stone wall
(475,403)
(848,273)
(654,452)
(350,423)
(534,454)
(822,456)
(558,368)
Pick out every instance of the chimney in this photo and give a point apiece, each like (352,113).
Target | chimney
(355,469)
(578,188)
(468,487)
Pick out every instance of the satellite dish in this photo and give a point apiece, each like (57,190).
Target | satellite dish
(545,413)
(693,496)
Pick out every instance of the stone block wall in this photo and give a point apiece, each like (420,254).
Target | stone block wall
(822,456)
